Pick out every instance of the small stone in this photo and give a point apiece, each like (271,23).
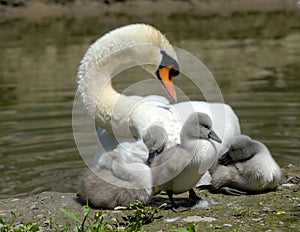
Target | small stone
(34,207)
(120,208)
(46,223)
(267,209)
(2,213)
(15,199)
(169,220)
(109,227)
(199,219)
(257,219)
(288,185)
(227,225)
(114,220)
(115,211)
(44,198)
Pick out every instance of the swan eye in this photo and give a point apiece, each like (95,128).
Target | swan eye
(174,73)
(168,61)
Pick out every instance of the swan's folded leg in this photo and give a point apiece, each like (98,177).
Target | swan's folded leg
(231,191)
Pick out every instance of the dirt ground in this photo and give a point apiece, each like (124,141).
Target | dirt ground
(273,211)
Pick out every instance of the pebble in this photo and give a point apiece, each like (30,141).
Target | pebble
(15,199)
(109,227)
(288,185)
(46,222)
(198,219)
(169,220)
(34,207)
(120,208)
(114,220)
(257,219)
(44,198)
(2,213)
(227,225)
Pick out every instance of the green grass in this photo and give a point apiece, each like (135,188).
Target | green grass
(10,227)
(139,215)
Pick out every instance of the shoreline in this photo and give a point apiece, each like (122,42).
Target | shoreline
(34,11)
(276,210)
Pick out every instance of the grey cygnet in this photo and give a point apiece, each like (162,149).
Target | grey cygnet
(179,168)
(119,181)
(247,167)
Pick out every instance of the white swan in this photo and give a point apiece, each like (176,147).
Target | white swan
(129,44)
(121,179)
(126,116)
(248,166)
(179,168)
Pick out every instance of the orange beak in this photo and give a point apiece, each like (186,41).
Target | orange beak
(166,79)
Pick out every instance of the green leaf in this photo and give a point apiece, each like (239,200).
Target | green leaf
(86,210)
(70,214)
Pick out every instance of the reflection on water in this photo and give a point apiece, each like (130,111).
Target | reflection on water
(258,77)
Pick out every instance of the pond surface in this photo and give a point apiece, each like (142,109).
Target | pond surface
(257,70)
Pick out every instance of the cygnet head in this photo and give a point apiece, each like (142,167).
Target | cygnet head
(244,144)
(198,125)
(155,139)
(242,147)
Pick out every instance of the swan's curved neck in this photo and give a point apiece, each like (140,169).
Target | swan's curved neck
(99,64)
(104,59)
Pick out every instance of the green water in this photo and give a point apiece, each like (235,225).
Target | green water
(255,59)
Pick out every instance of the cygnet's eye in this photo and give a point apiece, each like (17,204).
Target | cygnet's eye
(205,126)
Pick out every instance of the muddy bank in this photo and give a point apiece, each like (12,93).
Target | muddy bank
(279,211)
(36,11)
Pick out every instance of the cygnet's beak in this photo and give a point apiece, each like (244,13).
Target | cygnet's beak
(164,75)
(225,159)
(151,157)
(213,136)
